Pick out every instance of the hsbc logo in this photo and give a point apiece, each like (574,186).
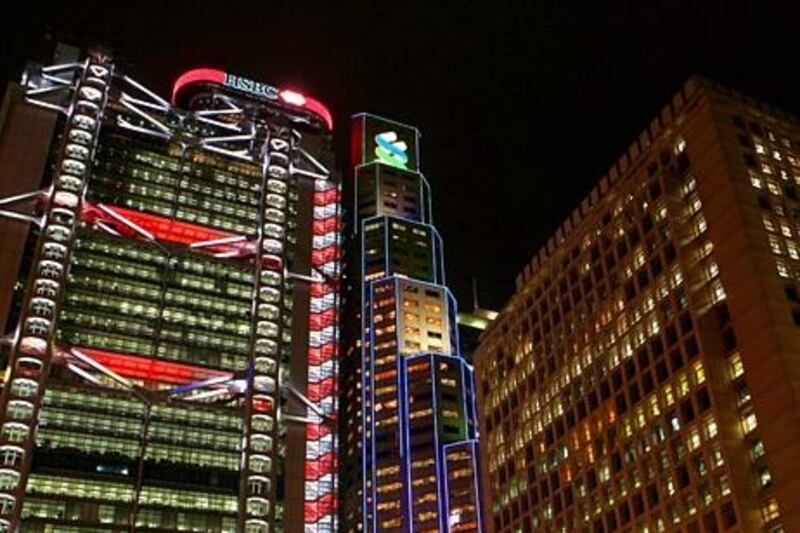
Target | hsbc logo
(252,87)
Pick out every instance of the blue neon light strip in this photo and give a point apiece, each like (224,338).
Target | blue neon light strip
(370,514)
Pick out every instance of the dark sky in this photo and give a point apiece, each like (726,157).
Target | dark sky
(522,105)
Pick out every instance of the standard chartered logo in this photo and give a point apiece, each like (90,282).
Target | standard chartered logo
(390,150)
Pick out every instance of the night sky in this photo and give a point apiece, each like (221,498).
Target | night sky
(522,105)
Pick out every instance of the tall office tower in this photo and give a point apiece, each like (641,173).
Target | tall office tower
(644,377)
(173,336)
(407,408)
(471,324)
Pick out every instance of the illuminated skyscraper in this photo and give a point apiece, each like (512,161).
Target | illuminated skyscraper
(644,377)
(409,453)
(174,329)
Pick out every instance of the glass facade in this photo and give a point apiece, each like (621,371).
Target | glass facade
(175,291)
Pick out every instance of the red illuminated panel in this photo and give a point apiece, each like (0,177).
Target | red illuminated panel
(164,229)
(325,225)
(169,229)
(320,467)
(262,404)
(319,508)
(320,289)
(323,319)
(325,255)
(327,197)
(316,107)
(296,99)
(138,367)
(317,431)
(318,391)
(317,356)
(198,75)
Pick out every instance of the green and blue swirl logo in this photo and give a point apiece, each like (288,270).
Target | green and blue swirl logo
(391,151)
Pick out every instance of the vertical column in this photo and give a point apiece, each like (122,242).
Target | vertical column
(262,396)
(321,446)
(33,350)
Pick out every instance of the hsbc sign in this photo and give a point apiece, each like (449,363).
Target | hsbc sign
(250,86)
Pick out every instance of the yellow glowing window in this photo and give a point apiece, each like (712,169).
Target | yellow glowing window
(389,506)
(749,422)
(428,497)
(670,487)
(385,390)
(770,511)
(694,440)
(669,397)
(386,422)
(641,422)
(683,386)
(701,225)
(388,471)
(699,373)
(385,360)
(724,485)
(719,459)
(736,366)
(772,186)
(775,245)
(654,410)
(791,248)
(418,414)
(389,487)
(711,428)
(782,270)
(424,481)
(765,478)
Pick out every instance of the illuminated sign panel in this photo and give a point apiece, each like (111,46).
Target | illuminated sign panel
(255,88)
(390,150)
(377,139)
(250,86)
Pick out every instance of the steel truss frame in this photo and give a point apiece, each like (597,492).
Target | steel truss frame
(225,129)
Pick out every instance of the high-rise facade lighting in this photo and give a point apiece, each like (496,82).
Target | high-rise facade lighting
(174,344)
(408,435)
(642,377)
